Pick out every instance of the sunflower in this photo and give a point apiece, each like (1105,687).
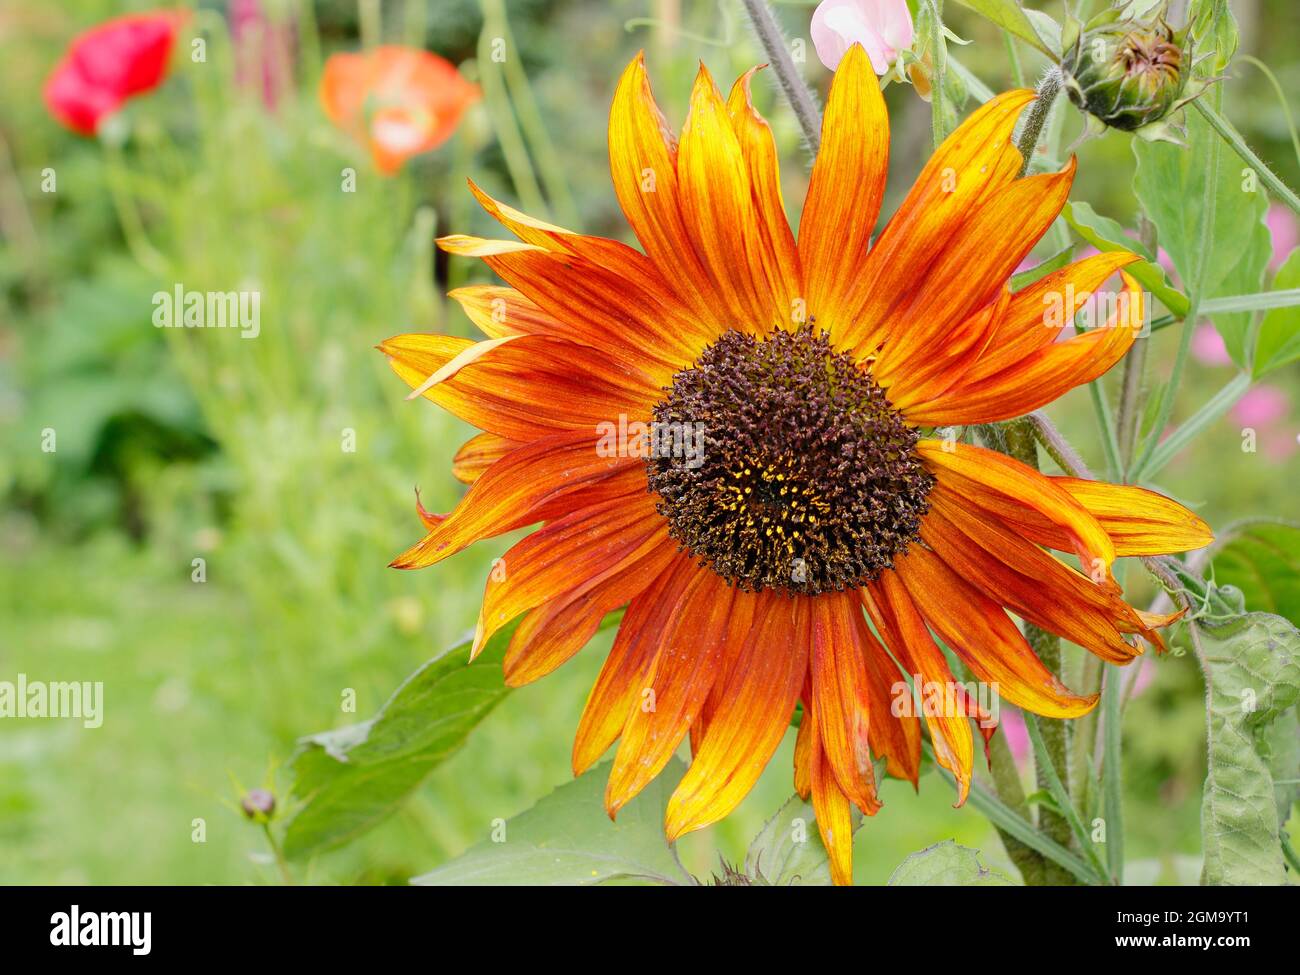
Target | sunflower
(724,433)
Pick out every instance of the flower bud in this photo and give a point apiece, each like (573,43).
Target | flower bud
(1130,74)
(258,804)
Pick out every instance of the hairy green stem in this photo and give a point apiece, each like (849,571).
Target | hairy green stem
(938,54)
(1036,117)
(1233,138)
(1019,436)
(796,90)
(1006,783)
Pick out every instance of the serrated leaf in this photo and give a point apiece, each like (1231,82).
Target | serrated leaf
(946,865)
(1262,559)
(566,839)
(1170,184)
(788,851)
(1279,333)
(1252,671)
(1012,17)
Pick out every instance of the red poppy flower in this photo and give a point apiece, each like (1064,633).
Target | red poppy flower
(110,63)
(397,101)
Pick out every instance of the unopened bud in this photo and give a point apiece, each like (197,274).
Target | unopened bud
(258,804)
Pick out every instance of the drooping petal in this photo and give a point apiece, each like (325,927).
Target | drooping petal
(977,159)
(841,696)
(844,191)
(895,737)
(999,483)
(1044,375)
(904,631)
(684,670)
(831,806)
(979,631)
(623,679)
(750,719)
(536,481)
(1028,581)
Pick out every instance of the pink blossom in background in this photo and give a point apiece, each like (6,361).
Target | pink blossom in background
(1279,444)
(882,27)
(1011,724)
(1261,406)
(1284,231)
(263,50)
(1208,347)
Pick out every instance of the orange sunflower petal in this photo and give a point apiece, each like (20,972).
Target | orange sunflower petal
(1139,521)
(981,255)
(623,679)
(979,631)
(477,454)
(643,164)
(781,255)
(553,631)
(844,190)
(749,721)
(683,673)
(977,159)
(526,485)
(498,312)
(834,815)
(1027,580)
(999,482)
(1034,316)
(524,387)
(604,540)
(1043,375)
(841,696)
(718,210)
(630,317)
(905,633)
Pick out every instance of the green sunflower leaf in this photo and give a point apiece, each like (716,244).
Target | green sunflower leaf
(1262,559)
(1279,334)
(946,865)
(1038,30)
(566,839)
(788,850)
(1170,183)
(348,780)
(1106,234)
(1252,671)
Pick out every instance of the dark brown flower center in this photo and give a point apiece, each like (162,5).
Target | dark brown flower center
(802,477)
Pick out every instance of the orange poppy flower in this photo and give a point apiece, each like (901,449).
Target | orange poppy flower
(397,101)
(779,526)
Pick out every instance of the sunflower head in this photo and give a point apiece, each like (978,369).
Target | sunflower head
(808,479)
(790,537)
